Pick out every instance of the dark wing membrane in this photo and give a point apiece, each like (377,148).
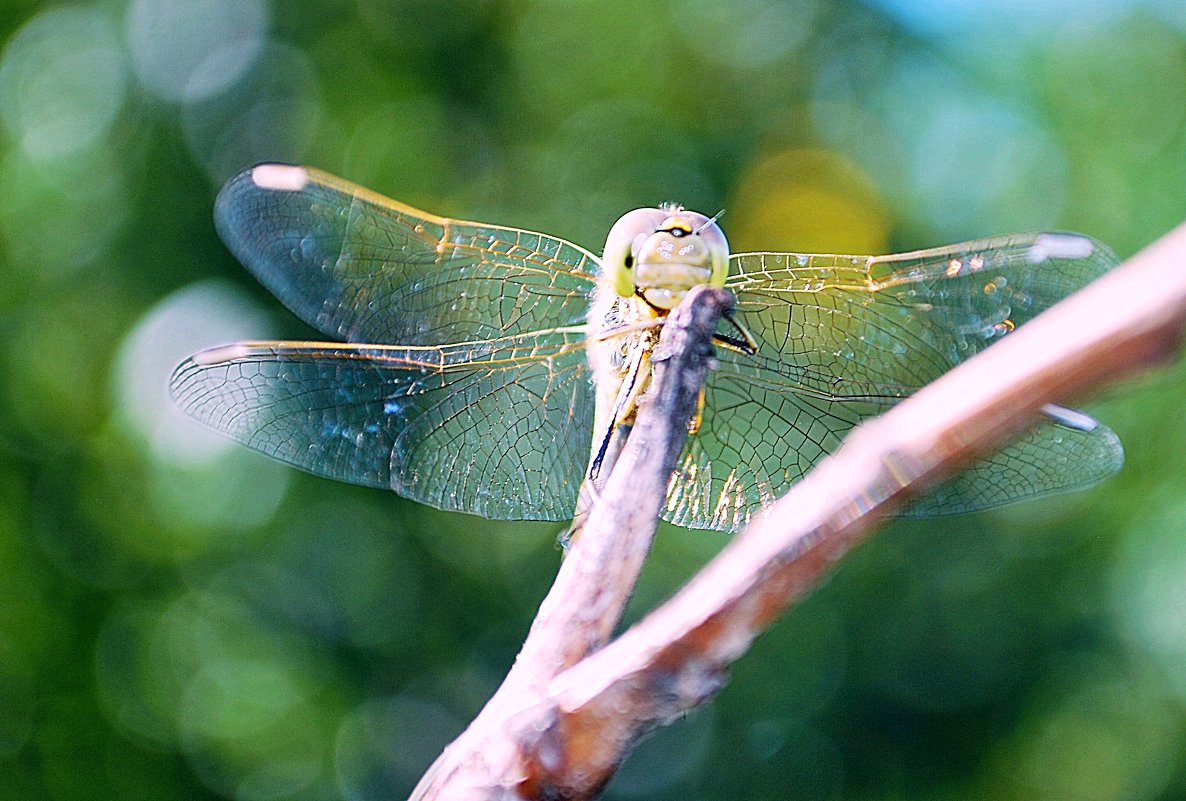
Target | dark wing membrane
(843,337)
(364,268)
(499,429)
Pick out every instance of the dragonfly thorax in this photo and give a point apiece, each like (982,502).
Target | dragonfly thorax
(659,254)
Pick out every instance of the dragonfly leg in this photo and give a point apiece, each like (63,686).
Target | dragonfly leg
(594,468)
(630,328)
(744,342)
(616,425)
(698,417)
(586,498)
(590,492)
(636,381)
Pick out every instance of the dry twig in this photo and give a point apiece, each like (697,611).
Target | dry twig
(598,573)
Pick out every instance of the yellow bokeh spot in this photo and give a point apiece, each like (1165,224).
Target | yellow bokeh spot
(806,200)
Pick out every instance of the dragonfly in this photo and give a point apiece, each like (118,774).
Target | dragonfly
(476,368)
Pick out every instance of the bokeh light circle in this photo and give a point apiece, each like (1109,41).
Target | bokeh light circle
(807,200)
(63,78)
(59,217)
(271,114)
(189,51)
(745,34)
(366,764)
(201,315)
(1149,590)
(980,168)
(210,486)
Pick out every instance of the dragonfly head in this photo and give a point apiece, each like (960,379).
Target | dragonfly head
(659,254)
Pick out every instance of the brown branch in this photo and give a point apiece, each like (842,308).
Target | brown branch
(599,571)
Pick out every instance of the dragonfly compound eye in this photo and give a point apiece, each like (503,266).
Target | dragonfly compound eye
(620,253)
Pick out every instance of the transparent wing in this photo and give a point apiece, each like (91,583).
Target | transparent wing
(499,429)
(1049,459)
(843,337)
(364,268)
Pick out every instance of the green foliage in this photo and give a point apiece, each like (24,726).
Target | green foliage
(181,619)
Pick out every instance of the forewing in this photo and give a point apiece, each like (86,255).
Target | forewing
(365,268)
(843,337)
(500,430)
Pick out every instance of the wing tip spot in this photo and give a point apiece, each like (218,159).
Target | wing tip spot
(280,177)
(220,355)
(1070,418)
(1060,246)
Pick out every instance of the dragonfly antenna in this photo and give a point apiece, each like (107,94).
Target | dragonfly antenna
(711,220)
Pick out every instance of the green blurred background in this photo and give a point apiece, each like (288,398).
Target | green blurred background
(180,618)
